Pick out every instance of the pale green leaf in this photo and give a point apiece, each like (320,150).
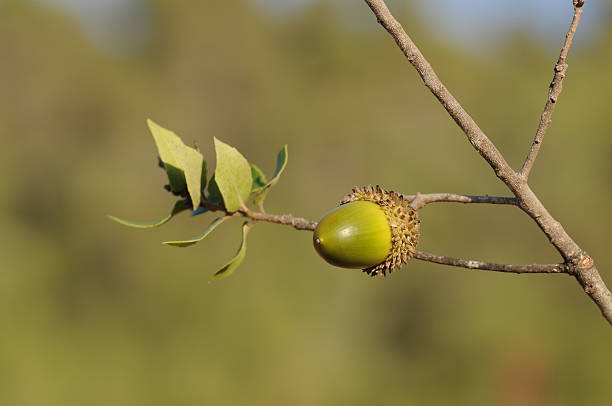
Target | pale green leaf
(186,243)
(184,165)
(178,207)
(232,175)
(192,164)
(229,268)
(259,194)
(168,143)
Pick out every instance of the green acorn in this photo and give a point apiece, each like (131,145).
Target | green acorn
(372,229)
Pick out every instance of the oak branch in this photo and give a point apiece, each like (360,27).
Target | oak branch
(576,261)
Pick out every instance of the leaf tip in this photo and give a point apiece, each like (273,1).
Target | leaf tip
(174,243)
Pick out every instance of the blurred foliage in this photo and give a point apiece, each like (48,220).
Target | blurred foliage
(98,314)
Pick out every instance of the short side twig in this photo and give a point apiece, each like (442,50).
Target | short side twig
(491,266)
(554,91)
(421,200)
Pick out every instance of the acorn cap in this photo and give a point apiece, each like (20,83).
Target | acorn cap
(403,221)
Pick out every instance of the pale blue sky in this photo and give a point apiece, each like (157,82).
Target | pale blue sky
(473,23)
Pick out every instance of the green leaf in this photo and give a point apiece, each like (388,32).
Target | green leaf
(184,165)
(232,175)
(168,143)
(178,207)
(229,268)
(259,194)
(186,243)
(259,179)
(193,165)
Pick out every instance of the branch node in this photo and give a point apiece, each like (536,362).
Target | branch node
(586,262)
(417,203)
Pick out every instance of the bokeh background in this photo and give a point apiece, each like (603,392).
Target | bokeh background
(94,313)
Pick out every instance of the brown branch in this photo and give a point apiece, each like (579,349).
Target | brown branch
(490,266)
(285,219)
(554,91)
(526,198)
(421,200)
(304,224)
(578,262)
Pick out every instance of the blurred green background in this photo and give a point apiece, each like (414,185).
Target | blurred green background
(94,313)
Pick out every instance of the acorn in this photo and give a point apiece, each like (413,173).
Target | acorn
(371,229)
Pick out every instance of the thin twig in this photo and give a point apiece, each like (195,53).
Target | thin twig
(490,266)
(578,261)
(421,200)
(554,91)
(285,219)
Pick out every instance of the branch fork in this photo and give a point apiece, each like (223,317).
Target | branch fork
(576,261)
